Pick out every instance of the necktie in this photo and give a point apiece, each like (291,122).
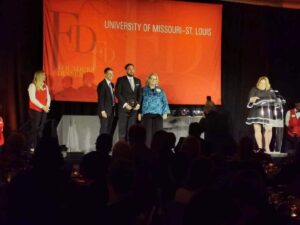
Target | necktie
(112,93)
(131,83)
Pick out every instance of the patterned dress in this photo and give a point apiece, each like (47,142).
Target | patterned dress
(262,111)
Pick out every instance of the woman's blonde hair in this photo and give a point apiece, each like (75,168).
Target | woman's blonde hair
(38,79)
(266,79)
(149,77)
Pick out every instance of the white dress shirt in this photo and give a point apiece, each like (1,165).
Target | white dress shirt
(131,81)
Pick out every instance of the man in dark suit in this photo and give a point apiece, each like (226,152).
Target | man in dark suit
(129,94)
(106,102)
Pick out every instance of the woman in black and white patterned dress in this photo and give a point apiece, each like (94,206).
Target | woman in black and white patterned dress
(261,100)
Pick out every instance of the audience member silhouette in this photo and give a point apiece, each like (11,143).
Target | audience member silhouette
(194,130)
(247,188)
(211,207)
(87,203)
(35,195)
(215,128)
(143,161)
(122,207)
(199,175)
(163,160)
(121,150)
(141,185)
(104,146)
(189,151)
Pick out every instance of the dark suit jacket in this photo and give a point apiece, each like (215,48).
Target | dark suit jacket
(105,98)
(124,92)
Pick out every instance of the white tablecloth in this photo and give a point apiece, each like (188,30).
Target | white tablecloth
(79,133)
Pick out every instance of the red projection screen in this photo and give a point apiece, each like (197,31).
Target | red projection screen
(180,41)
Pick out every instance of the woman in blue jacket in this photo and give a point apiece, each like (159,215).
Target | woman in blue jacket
(155,107)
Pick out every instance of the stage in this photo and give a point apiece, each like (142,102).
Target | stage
(79,133)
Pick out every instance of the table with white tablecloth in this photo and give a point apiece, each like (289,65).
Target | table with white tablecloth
(79,132)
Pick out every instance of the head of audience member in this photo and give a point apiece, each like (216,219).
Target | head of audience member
(263,83)
(104,143)
(93,166)
(137,135)
(47,155)
(121,177)
(129,67)
(194,130)
(121,150)
(15,144)
(160,146)
(159,140)
(152,80)
(108,73)
(209,107)
(191,147)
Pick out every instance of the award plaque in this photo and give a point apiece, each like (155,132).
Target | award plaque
(132,103)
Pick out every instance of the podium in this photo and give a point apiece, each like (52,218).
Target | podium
(279,123)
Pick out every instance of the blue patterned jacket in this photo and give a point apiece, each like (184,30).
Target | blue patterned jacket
(154,101)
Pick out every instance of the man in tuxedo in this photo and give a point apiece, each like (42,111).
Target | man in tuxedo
(106,102)
(129,94)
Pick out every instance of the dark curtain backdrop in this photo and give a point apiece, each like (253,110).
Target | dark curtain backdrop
(255,41)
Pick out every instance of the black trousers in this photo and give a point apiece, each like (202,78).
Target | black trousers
(37,124)
(291,144)
(126,120)
(152,123)
(107,124)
